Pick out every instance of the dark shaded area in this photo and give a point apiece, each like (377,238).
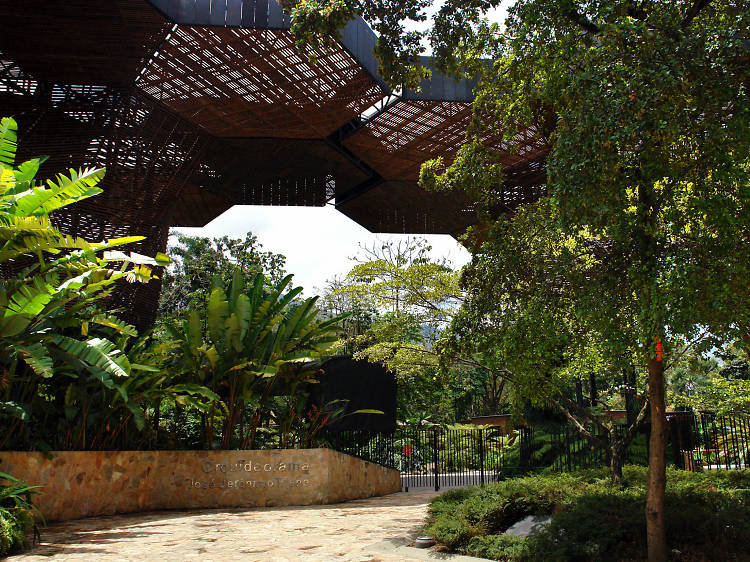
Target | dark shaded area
(358,385)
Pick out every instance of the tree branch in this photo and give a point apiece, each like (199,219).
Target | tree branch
(578,425)
(577,17)
(697,6)
(636,423)
(673,359)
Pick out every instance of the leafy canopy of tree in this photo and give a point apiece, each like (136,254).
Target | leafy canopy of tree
(197,261)
(645,105)
(401,300)
(415,295)
(722,387)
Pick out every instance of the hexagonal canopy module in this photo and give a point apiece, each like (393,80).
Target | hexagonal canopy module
(197,105)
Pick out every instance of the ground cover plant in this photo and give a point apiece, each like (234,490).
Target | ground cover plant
(707,514)
(16,514)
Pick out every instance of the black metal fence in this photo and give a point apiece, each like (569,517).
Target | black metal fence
(437,457)
(710,442)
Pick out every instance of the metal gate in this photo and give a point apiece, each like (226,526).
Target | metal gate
(438,458)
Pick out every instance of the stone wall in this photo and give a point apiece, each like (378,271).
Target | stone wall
(84,483)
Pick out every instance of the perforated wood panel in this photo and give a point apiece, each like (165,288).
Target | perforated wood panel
(403,207)
(275,171)
(237,82)
(80,41)
(149,154)
(206,104)
(399,140)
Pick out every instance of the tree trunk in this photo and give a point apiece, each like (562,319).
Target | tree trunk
(579,393)
(615,462)
(592,389)
(157,421)
(657,478)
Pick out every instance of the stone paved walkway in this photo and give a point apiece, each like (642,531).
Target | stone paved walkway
(345,531)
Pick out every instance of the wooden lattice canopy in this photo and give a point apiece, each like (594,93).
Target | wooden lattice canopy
(196,105)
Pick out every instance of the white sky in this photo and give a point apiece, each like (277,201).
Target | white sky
(317,242)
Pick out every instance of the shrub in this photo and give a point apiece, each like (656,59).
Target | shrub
(16,514)
(708,516)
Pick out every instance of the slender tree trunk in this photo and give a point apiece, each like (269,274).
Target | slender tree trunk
(615,461)
(657,478)
(592,389)
(157,420)
(579,393)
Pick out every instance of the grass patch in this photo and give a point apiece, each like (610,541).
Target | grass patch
(708,517)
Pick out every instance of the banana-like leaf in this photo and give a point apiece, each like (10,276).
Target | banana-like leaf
(97,352)
(13,324)
(138,416)
(75,187)
(132,257)
(26,171)
(194,389)
(217,313)
(146,368)
(67,190)
(114,323)
(35,356)
(8,141)
(194,329)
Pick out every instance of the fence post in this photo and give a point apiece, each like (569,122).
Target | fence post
(481,457)
(435,457)
(526,439)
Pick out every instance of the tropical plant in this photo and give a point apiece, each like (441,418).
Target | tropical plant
(17,514)
(95,416)
(52,285)
(242,349)
(197,261)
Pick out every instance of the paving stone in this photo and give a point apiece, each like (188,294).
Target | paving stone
(344,531)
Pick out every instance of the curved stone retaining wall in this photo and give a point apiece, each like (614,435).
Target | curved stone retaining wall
(83,483)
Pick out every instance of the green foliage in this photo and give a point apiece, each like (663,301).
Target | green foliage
(401,299)
(248,340)
(707,516)
(317,24)
(50,294)
(647,113)
(196,262)
(722,387)
(16,514)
